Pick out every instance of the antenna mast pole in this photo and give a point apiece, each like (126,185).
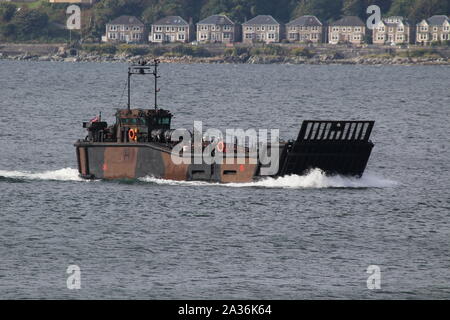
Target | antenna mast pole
(129,93)
(155,73)
(143,68)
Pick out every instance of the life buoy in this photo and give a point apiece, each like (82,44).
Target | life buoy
(220,146)
(132,134)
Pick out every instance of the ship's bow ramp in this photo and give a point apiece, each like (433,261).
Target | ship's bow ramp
(336,147)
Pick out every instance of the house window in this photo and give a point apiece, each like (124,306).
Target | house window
(400,37)
(227,35)
(158,36)
(263,28)
(358,29)
(435,29)
(292,35)
(335,29)
(203,36)
(400,29)
(167,29)
(435,36)
(180,36)
(271,36)
(227,27)
(423,28)
(248,36)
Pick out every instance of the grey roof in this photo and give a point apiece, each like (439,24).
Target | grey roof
(305,21)
(393,18)
(347,21)
(216,19)
(261,19)
(126,20)
(171,20)
(437,20)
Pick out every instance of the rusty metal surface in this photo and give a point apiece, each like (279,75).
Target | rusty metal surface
(237,172)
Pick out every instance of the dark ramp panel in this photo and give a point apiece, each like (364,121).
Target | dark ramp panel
(337,147)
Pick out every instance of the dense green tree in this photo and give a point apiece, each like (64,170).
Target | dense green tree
(323,9)
(353,7)
(401,7)
(30,24)
(423,9)
(7,11)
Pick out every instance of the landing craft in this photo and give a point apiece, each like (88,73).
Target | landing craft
(141,143)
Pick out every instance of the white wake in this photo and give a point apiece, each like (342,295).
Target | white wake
(315,179)
(65,174)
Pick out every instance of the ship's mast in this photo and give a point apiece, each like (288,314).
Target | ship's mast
(144,68)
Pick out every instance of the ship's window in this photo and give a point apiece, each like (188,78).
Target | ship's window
(140,121)
(164,120)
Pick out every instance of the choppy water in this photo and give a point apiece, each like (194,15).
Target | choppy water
(292,237)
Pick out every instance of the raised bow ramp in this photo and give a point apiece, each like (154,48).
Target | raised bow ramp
(336,147)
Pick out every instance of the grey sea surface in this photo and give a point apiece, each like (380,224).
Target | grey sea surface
(298,237)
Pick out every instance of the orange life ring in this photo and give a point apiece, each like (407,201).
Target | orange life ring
(220,146)
(132,134)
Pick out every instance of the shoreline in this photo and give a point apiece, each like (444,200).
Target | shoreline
(232,60)
(323,55)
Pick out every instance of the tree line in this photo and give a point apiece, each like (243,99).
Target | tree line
(28,24)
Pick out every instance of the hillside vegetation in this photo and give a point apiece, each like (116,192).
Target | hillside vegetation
(44,22)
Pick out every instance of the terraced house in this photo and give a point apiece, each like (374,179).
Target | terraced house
(171,29)
(262,28)
(305,29)
(217,28)
(349,29)
(434,29)
(392,30)
(127,29)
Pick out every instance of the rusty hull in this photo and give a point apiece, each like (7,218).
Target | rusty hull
(132,161)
